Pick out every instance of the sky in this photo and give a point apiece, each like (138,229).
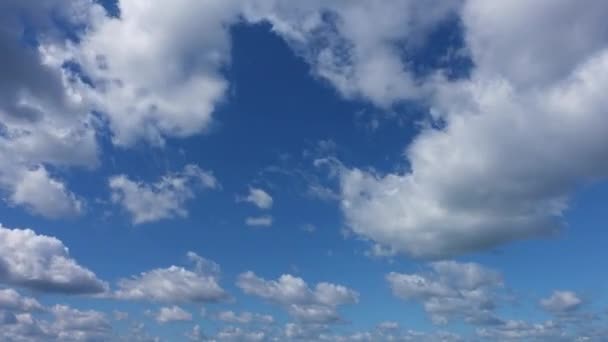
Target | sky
(323,170)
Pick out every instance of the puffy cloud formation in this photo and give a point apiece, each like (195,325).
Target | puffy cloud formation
(490,169)
(42,263)
(160,80)
(356,45)
(318,305)
(259,198)
(244,317)
(172,314)
(259,221)
(43,117)
(561,302)
(164,199)
(69,324)
(175,284)
(11,300)
(451,291)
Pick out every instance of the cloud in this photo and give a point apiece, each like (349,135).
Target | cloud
(43,119)
(172,314)
(163,79)
(259,198)
(561,302)
(356,45)
(174,285)
(73,324)
(259,221)
(161,200)
(42,263)
(318,305)
(244,317)
(44,195)
(451,291)
(11,300)
(462,190)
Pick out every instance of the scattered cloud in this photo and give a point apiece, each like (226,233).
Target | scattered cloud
(318,305)
(172,314)
(174,284)
(451,290)
(42,263)
(161,200)
(259,198)
(259,221)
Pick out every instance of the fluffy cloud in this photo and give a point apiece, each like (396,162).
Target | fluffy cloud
(44,195)
(451,290)
(259,198)
(11,300)
(163,199)
(356,45)
(244,317)
(43,119)
(172,314)
(318,305)
(162,79)
(259,221)
(73,324)
(42,263)
(175,284)
(494,171)
(561,302)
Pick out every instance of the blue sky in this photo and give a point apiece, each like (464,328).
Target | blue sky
(269,170)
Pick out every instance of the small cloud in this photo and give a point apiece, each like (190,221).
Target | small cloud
(259,221)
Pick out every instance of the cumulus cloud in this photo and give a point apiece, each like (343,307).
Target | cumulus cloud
(451,290)
(174,284)
(43,119)
(149,202)
(356,45)
(259,221)
(11,300)
(318,305)
(490,169)
(172,314)
(42,263)
(244,317)
(561,302)
(259,198)
(162,79)
(44,195)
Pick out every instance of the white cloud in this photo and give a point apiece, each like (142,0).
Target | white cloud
(163,78)
(42,263)
(44,195)
(172,314)
(43,119)
(259,221)
(73,324)
(452,290)
(163,199)
(244,317)
(355,45)
(12,301)
(561,302)
(259,198)
(495,172)
(318,305)
(174,285)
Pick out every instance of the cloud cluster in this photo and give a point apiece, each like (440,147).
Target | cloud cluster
(318,305)
(451,290)
(490,167)
(149,202)
(174,284)
(42,263)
